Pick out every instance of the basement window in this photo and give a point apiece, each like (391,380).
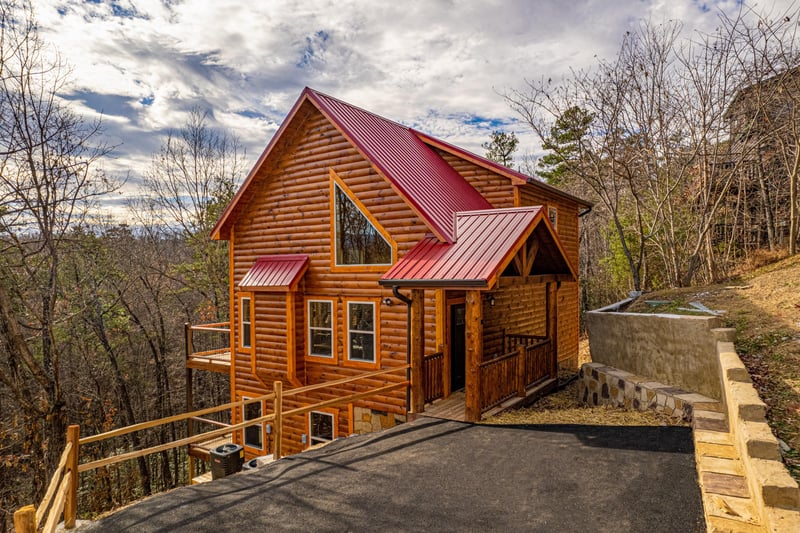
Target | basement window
(253,435)
(321,427)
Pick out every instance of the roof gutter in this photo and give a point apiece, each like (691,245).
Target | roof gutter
(435,283)
(585,211)
(406,300)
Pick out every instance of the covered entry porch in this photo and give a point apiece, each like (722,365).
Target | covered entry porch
(496,313)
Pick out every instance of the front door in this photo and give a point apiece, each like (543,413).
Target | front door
(458,321)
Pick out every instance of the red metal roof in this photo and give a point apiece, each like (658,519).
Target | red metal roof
(515,175)
(431,187)
(275,272)
(486,242)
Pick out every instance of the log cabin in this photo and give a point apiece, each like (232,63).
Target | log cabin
(358,244)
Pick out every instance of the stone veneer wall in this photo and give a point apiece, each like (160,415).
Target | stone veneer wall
(604,385)
(366,420)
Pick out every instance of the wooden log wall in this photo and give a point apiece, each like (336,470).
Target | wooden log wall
(497,189)
(517,309)
(568,304)
(287,210)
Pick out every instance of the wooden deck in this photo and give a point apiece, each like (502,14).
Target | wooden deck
(450,408)
(212,362)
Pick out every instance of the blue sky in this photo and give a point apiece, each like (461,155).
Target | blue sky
(436,65)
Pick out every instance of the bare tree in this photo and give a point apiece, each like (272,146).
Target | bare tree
(48,180)
(765,115)
(190,182)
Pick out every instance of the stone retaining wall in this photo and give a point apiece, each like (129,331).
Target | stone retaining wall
(775,492)
(600,384)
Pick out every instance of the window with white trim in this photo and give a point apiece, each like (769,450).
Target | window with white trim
(245,322)
(320,328)
(361,331)
(320,427)
(253,435)
(357,240)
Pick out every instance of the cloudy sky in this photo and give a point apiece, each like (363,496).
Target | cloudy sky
(437,65)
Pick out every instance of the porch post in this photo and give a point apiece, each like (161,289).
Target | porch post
(417,349)
(473,355)
(552,325)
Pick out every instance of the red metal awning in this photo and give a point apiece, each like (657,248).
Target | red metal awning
(275,273)
(486,241)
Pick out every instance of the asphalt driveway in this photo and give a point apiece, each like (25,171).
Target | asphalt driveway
(439,475)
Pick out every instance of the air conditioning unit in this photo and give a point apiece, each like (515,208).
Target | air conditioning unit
(226,460)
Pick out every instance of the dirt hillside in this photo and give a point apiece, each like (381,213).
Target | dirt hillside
(764,307)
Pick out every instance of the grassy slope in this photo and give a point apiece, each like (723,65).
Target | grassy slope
(764,307)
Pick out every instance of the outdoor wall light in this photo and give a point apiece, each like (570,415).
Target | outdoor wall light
(387,301)
(491,300)
(303,439)
(269,429)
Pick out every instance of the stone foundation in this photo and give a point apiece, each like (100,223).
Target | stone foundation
(604,385)
(366,420)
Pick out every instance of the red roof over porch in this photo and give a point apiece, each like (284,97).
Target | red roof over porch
(486,242)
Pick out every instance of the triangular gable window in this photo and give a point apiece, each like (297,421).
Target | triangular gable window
(357,241)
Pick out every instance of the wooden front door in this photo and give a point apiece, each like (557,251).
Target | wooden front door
(458,315)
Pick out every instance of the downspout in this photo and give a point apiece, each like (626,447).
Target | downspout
(405,299)
(585,211)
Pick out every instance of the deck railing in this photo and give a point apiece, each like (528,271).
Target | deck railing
(511,341)
(207,339)
(511,374)
(63,491)
(208,347)
(500,379)
(61,495)
(539,361)
(433,376)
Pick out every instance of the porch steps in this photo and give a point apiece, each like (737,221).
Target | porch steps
(452,407)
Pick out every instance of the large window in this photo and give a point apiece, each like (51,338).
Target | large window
(246,321)
(320,328)
(253,435)
(321,427)
(361,331)
(357,240)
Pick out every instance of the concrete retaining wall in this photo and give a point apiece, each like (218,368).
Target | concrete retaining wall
(674,349)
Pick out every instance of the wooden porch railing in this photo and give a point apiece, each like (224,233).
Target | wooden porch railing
(62,494)
(511,341)
(432,376)
(539,362)
(499,379)
(511,374)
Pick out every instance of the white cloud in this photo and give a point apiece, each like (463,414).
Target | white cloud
(437,65)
